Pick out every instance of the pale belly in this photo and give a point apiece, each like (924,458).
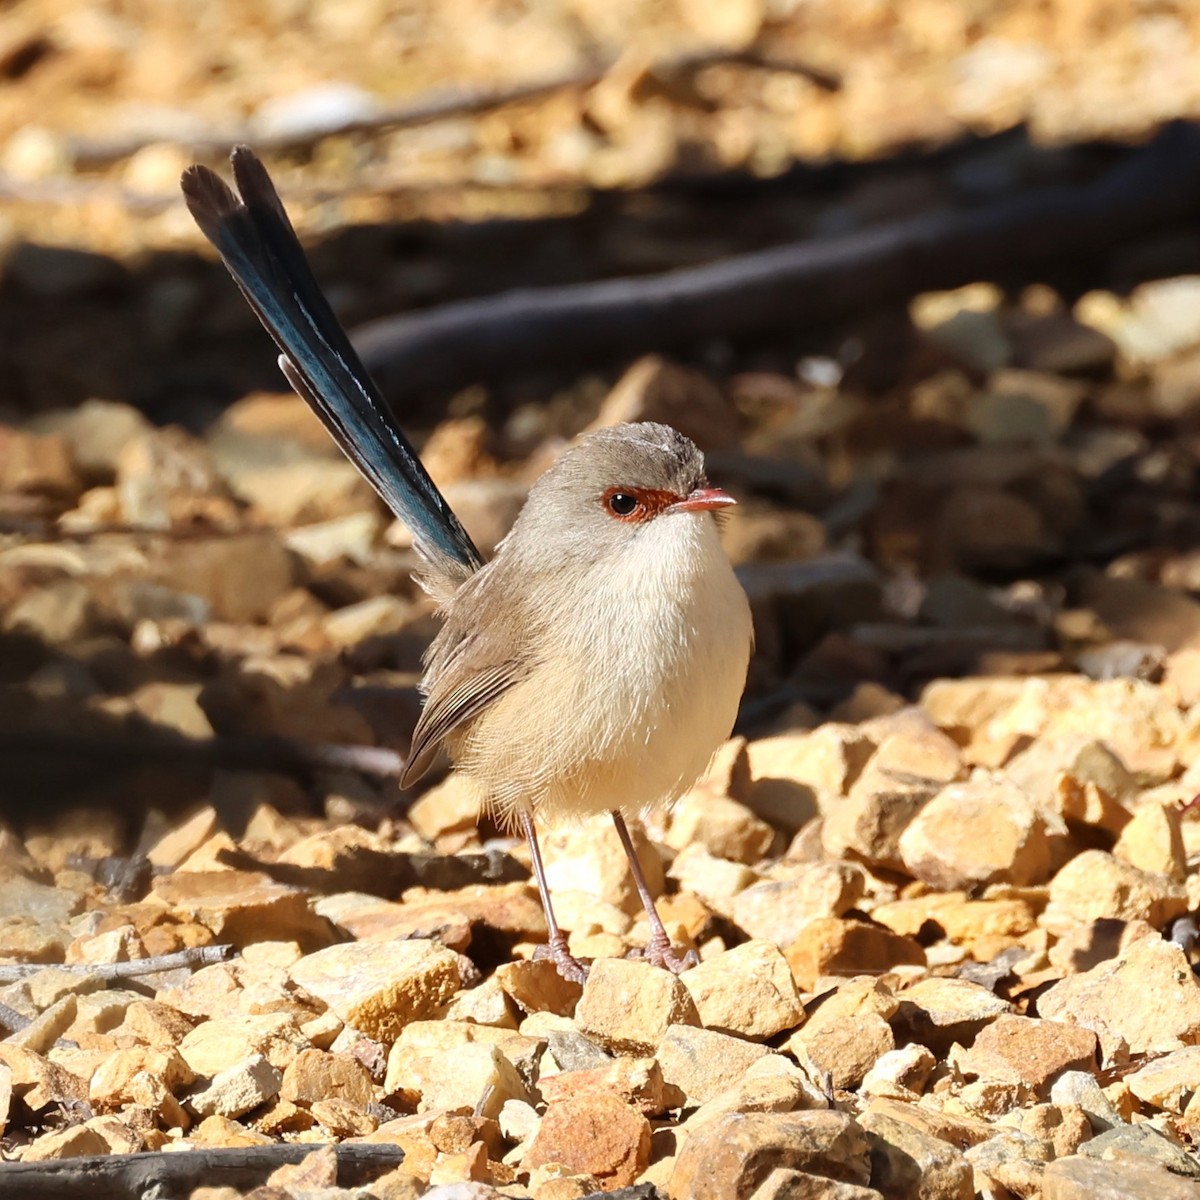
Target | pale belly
(628,706)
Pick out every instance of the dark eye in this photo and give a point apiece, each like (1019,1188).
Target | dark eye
(622,504)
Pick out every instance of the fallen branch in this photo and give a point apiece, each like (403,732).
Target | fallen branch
(447,348)
(134,1176)
(193,956)
(437,106)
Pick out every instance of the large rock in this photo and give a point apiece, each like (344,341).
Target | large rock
(628,1006)
(1146,999)
(975,833)
(747,991)
(379,987)
(732,1156)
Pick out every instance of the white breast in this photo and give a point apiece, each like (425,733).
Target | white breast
(639,687)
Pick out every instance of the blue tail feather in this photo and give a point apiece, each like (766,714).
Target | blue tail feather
(258,245)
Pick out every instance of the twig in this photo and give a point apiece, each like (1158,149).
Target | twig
(436,106)
(449,347)
(193,956)
(134,1176)
(285,755)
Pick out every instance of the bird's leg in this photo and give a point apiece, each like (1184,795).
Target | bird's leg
(569,967)
(658,950)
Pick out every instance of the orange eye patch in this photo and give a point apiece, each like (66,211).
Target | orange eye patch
(637,504)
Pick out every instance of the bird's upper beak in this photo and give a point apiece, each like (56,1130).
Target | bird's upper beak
(703,500)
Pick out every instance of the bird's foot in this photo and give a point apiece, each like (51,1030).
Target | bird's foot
(567,965)
(660,953)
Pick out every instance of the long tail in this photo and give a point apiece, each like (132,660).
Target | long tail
(258,245)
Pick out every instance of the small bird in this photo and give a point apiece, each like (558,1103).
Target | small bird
(597,661)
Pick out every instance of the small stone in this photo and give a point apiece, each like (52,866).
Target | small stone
(1095,886)
(908,1162)
(451,806)
(226,1133)
(794,776)
(984,928)
(376,616)
(1153,841)
(316,1075)
(596,1134)
(842,1055)
(867,825)
(119,1136)
(976,833)
(95,432)
(779,909)
(379,987)
(1029,1052)
(716,881)
(48,1026)
(832,946)
(1064,1127)
(1010,1161)
(1146,1000)
(117,1081)
(638,1081)
(771,1084)
(748,991)
(344,858)
(534,985)
(242,906)
(217,1044)
(702,1063)
(238,1089)
(730,1157)
(1142,1142)
(1077,1178)
(36,465)
(487,1004)
(965,324)
(1079,1089)
(938,1012)
(474,1076)
(184,839)
(725,828)
(900,1074)
(1168,1082)
(315,1170)
(628,1006)
(76,1141)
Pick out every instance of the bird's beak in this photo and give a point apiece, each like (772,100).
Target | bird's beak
(703,500)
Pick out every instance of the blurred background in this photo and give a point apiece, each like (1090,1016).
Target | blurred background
(951,366)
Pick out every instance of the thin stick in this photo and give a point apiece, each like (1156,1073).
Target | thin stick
(193,956)
(438,106)
(133,1176)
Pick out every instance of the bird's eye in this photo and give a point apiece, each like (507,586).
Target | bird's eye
(622,504)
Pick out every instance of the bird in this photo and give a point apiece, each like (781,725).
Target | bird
(597,661)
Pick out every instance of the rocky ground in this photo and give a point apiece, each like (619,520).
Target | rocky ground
(942,882)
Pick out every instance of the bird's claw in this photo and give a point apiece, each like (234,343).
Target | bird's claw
(567,965)
(662,954)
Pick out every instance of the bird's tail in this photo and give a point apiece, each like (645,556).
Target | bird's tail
(258,245)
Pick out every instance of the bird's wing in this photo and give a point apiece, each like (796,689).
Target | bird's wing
(454,698)
(258,245)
